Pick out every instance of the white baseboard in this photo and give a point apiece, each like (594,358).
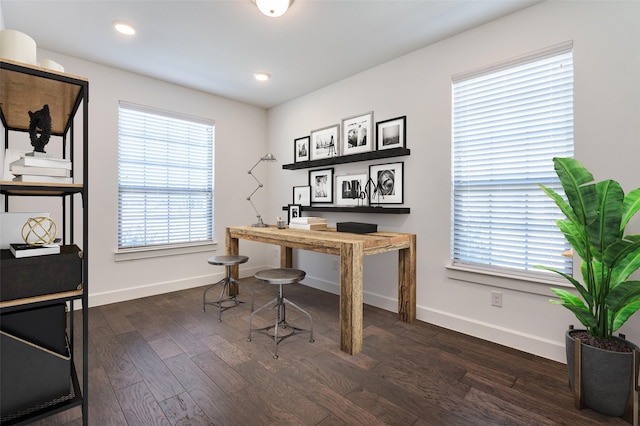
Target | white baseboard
(512,338)
(535,345)
(131,293)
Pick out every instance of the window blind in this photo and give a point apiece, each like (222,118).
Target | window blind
(165,178)
(508,124)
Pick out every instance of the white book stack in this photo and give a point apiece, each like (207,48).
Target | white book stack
(310,223)
(41,169)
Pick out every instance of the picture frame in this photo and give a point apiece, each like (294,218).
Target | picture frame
(351,190)
(302,195)
(386,183)
(357,134)
(301,149)
(325,142)
(321,183)
(391,133)
(294,210)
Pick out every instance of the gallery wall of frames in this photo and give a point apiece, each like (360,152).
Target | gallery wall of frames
(376,188)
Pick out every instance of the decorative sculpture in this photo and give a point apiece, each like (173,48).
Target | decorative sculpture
(40,128)
(39,231)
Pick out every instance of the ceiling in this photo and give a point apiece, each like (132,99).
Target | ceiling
(215,46)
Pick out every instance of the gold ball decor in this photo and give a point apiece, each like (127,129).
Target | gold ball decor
(39,231)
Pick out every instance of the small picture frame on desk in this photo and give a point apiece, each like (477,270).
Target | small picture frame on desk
(302,195)
(294,211)
(301,149)
(391,133)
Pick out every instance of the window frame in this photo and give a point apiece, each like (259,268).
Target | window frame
(497,276)
(169,248)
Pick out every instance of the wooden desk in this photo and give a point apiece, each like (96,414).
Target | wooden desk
(351,248)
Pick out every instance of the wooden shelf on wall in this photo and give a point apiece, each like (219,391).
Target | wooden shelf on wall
(365,156)
(360,209)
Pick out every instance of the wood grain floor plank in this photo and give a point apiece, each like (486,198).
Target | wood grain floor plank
(156,375)
(114,359)
(104,408)
(149,324)
(220,372)
(181,410)
(198,371)
(206,393)
(281,394)
(382,408)
(140,407)
(165,347)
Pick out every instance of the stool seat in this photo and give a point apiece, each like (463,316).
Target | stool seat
(281,276)
(229,285)
(227,260)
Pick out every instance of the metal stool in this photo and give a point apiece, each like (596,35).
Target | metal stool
(280,277)
(227,261)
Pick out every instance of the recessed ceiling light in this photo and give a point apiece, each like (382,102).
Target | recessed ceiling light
(261,76)
(124,28)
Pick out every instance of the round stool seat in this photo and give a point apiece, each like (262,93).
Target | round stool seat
(280,276)
(227,260)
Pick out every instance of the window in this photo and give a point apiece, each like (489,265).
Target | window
(165,178)
(508,124)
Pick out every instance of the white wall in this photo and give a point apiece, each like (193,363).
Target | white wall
(240,139)
(606,36)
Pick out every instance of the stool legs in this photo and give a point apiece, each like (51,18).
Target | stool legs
(226,288)
(280,303)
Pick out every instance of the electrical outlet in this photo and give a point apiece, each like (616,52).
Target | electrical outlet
(496,299)
(276,253)
(334,265)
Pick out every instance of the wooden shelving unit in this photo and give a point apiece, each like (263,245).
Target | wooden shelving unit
(25,88)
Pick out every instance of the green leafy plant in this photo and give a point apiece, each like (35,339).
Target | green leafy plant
(596,217)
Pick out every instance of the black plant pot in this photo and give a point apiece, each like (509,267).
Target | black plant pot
(606,376)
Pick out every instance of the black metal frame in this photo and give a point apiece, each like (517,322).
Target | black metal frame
(67,193)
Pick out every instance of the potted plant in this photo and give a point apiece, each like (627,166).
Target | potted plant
(596,217)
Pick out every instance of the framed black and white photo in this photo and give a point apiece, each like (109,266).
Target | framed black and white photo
(302,195)
(388,183)
(325,142)
(350,190)
(301,149)
(391,133)
(357,134)
(321,183)
(294,211)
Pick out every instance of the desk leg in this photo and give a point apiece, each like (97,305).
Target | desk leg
(351,273)
(232,249)
(286,257)
(407,282)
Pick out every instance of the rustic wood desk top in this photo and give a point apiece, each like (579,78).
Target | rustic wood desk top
(329,241)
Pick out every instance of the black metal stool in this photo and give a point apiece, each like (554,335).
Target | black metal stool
(227,261)
(281,277)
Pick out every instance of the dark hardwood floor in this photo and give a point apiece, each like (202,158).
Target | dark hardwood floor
(162,361)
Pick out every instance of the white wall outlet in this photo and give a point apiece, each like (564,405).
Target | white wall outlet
(335,264)
(496,299)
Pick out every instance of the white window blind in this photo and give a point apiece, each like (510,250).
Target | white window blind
(165,178)
(508,124)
